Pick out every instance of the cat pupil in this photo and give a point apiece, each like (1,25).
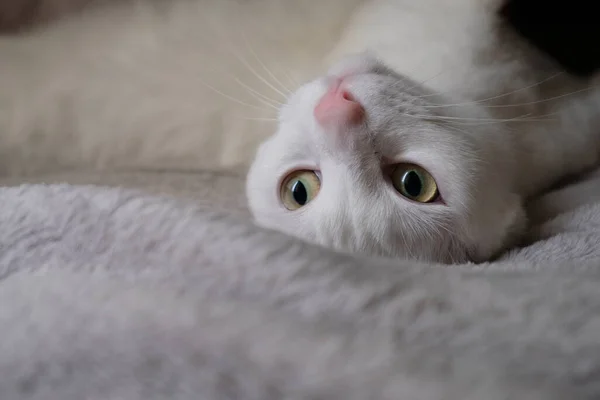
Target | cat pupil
(299,192)
(412,183)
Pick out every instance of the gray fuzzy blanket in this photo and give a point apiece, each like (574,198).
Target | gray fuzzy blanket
(140,294)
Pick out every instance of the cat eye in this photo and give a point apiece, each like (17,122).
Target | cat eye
(414,183)
(299,188)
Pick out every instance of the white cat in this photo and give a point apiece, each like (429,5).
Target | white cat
(428,145)
(445,130)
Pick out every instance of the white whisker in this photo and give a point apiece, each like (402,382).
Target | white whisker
(259,96)
(496,97)
(235,100)
(289,76)
(544,100)
(422,83)
(245,62)
(234,50)
(259,76)
(267,70)
(259,119)
(520,118)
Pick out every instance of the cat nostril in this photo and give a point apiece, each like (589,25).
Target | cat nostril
(338,107)
(347,96)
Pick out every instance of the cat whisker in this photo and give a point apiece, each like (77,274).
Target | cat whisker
(231,98)
(422,83)
(271,103)
(274,120)
(519,104)
(545,100)
(266,103)
(498,122)
(521,118)
(260,77)
(247,64)
(235,51)
(292,79)
(553,76)
(506,94)
(267,70)
(197,79)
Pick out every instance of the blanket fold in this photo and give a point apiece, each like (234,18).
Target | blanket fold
(116,293)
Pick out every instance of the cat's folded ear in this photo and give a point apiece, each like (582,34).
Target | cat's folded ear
(498,228)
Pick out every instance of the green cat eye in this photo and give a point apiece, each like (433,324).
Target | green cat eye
(299,188)
(414,183)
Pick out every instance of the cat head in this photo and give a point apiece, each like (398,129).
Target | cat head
(366,160)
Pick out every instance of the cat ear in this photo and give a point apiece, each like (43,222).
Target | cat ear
(497,229)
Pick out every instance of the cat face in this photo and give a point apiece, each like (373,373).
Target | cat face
(365,160)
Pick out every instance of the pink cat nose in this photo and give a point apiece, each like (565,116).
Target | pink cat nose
(338,107)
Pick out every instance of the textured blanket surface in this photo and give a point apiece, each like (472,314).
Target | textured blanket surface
(165,290)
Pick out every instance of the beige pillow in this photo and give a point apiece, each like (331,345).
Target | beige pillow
(162,84)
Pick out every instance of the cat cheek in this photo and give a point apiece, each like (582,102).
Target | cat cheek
(497,229)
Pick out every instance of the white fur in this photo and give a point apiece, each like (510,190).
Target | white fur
(447,56)
(134,84)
